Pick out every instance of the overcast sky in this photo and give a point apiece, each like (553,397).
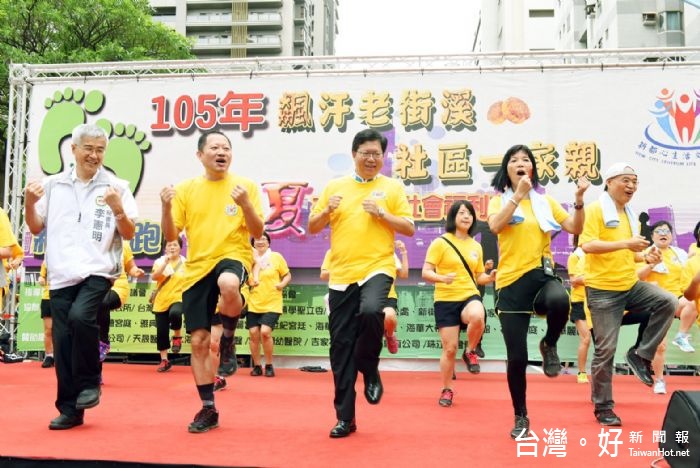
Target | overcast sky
(405,27)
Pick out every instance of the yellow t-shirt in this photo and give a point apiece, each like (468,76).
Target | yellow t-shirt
(16,252)
(670,281)
(45,289)
(392,292)
(214,223)
(265,297)
(691,268)
(575,266)
(361,243)
(522,246)
(245,292)
(170,292)
(445,259)
(612,271)
(8,239)
(326,265)
(121,284)
(693,249)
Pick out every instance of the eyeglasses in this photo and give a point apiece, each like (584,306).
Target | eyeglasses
(370,154)
(662,231)
(92,149)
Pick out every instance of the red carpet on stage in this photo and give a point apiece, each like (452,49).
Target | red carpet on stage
(284,421)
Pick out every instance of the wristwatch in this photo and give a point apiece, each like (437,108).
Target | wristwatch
(380,213)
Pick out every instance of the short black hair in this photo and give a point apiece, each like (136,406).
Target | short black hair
(203,138)
(269,242)
(368,134)
(501,180)
(696,234)
(450,219)
(165,242)
(662,223)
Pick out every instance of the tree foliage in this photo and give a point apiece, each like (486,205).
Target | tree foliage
(72,31)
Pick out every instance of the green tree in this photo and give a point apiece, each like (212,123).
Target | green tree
(72,31)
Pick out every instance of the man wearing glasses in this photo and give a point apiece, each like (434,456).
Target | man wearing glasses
(364,212)
(86,212)
(613,245)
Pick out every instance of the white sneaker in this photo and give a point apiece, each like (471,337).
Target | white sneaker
(682,343)
(660,387)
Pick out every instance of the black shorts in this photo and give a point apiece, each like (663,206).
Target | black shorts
(111,300)
(255,319)
(45,307)
(577,312)
(392,302)
(199,301)
(448,313)
(520,296)
(216,320)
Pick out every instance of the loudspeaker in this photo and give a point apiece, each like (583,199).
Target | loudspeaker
(682,418)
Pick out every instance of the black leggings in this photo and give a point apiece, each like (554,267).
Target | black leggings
(110,302)
(553,300)
(172,319)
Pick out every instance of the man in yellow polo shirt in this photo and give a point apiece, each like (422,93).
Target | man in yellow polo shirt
(364,211)
(220,213)
(613,245)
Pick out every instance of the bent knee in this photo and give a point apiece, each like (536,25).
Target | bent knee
(228,283)
(449,350)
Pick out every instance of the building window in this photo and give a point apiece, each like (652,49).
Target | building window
(541,13)
(671,21)
(264,16)
(209,17)
(262,39)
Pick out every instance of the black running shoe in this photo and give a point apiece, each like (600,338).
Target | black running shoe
(206,419)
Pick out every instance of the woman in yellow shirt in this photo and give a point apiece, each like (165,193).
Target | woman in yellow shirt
(270,276)
(457,299)
(524,221)
(693,249)
(168,273)
(666,273)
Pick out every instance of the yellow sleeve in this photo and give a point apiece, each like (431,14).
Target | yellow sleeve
(282,268)
(494,205)
(178,206)
(7,237)
(591,227)
(399,203)
(560,214)
(326,265)
(321,203)
(128,254)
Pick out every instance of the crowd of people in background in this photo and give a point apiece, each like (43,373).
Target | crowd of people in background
(616,276)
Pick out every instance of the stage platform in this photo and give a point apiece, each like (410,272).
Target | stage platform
(284,422)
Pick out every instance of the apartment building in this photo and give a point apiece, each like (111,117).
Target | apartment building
(530,25)
(253,28)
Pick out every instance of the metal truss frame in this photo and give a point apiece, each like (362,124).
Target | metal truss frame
(24,76)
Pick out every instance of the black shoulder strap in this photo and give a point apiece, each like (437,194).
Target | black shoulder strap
(464,262)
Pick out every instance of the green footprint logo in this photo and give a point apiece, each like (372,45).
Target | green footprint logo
(66,110)
(124,155)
